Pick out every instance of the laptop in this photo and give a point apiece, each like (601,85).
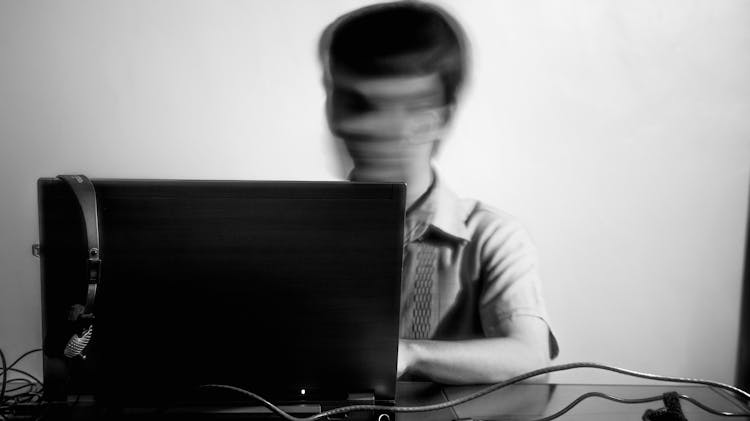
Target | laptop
(287,289)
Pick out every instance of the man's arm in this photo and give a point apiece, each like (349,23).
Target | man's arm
(523,346)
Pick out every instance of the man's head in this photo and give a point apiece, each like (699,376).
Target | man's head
(393,73)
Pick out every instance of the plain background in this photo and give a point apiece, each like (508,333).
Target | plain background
(618,132)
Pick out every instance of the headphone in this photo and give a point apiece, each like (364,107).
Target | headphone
(83,315)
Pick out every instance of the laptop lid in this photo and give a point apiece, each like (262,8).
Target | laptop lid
(288,289)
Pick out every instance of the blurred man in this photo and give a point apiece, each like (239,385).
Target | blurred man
(471,306)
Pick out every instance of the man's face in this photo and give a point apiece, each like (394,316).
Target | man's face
(389,125)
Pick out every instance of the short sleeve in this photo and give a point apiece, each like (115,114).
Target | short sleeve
(511,285)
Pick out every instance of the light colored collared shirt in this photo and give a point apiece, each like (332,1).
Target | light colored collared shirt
(486,268)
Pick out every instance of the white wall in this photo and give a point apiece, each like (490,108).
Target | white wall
(618,132)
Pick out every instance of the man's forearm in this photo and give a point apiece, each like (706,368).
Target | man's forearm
(486,360)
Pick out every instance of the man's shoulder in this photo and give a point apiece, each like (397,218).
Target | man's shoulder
(496,234)
(485,217)
(469,218)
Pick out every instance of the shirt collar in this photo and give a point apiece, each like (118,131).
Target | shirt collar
(440,210)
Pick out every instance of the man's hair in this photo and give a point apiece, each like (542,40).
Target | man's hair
(405,38)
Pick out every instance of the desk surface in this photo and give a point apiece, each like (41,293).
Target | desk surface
(520,402)
(532,401)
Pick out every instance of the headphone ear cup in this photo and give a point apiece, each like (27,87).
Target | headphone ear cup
(81,331)
(75,312)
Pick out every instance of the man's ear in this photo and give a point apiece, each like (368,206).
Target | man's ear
(328,105)
(326,81)
(439,119)
(436,147)
(328,90)
(448,113)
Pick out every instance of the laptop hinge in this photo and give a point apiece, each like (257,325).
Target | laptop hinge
(361,397)
(366,398)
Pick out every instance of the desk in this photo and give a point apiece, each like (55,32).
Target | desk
(530,401)
(519,402)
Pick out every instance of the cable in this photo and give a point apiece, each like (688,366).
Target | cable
(31,394)
(637,401)
(5,377)
(585,396)
(27,374)
(598,395)
(8,368)
(711,410)
(24,355)
(28,392)
(28,384)
(479,393)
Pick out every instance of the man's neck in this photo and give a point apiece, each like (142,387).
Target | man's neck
(417,185)
(418,180)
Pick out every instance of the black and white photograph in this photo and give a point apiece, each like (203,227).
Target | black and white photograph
(341,210)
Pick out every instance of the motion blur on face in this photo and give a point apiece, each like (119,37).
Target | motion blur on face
(392,74)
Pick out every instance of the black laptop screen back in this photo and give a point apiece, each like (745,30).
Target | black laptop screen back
(275,287)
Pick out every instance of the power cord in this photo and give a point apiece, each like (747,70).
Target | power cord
(500,385)
(636,401)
